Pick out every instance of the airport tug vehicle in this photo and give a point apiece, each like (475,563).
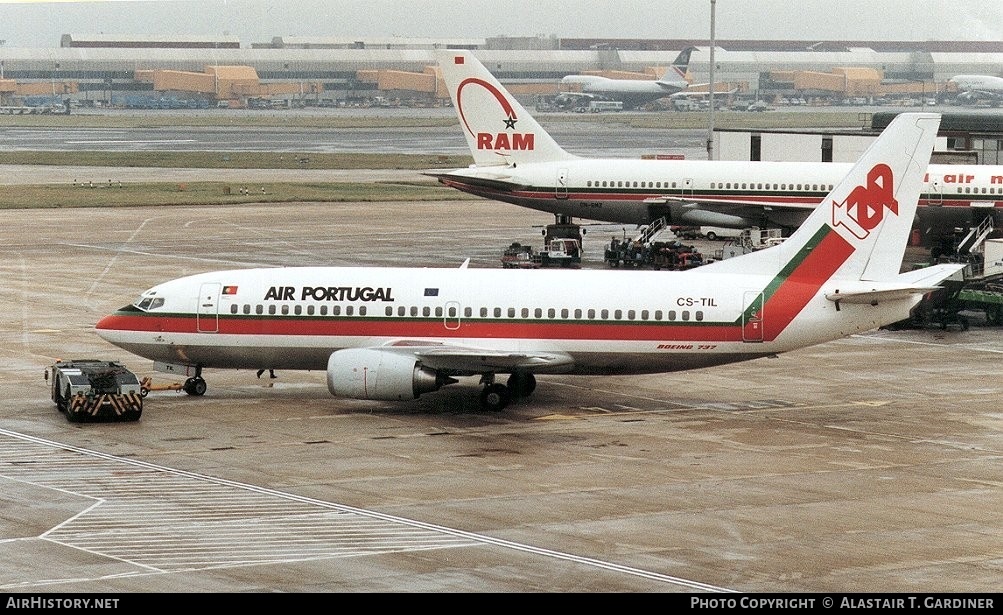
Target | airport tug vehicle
(91,390)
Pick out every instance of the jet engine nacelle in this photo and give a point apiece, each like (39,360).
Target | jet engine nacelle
(366,373)
(684,214)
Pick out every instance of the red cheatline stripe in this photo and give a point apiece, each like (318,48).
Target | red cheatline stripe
(548,195)
(804,282)
(325,326)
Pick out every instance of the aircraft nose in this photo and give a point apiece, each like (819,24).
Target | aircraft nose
(105,325)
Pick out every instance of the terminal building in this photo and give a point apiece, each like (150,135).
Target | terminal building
(104,69)
(200,71)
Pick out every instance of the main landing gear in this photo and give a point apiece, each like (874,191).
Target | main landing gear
(195,385)
(495,397)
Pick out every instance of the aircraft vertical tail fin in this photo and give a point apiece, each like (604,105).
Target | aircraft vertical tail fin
(498,129)
(860,230)
(676,74)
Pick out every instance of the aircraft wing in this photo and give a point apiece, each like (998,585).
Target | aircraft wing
(576,95)
(719,203)
(471,360)
(984,93)
(691,93)
(734,213)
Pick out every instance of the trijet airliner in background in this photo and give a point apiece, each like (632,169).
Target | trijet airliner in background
(517,161)
(398,333)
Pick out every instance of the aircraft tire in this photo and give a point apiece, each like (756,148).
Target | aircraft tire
(495,397)
(521,384)
(63,401)
(195,386)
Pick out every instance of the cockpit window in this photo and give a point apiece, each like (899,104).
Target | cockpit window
(149,303)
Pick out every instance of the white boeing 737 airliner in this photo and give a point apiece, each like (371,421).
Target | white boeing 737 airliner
(517,161)
(396,333)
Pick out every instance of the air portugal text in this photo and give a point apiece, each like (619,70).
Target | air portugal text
(329,293)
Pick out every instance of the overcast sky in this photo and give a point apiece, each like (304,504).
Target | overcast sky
(40,24)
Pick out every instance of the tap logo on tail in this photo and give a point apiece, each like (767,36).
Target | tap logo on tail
(506,138)
(864,208)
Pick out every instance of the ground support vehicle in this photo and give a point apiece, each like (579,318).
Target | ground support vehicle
(557,253)
(976,288)
(988,300)
(518,256)
(564,252)
(668,255)
(89,389)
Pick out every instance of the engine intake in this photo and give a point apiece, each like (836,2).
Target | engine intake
(366,373)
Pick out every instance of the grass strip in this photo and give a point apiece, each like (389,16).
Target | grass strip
(125,194)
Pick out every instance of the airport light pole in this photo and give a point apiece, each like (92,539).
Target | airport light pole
(710,128)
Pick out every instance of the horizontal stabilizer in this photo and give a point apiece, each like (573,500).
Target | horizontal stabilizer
(480,173)
(919,282)
(466,181)
(874,297)
(930,276)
